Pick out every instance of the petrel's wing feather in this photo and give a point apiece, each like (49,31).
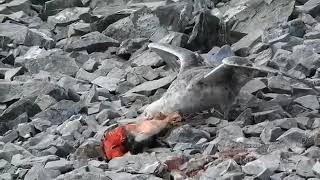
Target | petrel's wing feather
(179,59)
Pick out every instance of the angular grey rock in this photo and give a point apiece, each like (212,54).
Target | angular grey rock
(286,123)
(9,150)
(78,29)
(146,72)
(11,73)
(62,165)
(6,176)
(9,136)
(316,168)
(12,112)
(254,130)
(15,6)
(239,15)
(287,43)
(278,176)
(84,75)
(297,27)
(108,83)
(35,37)
(108,10)
(176,39)
(310,7)
(282,59)
(211,149)
(54,60)
(225,170)
(205,32)
(41,124)
(269,115)
(308,101)
(15,32)
(270,161)
(252,169)
(312,152)
(186,134)
(70,126)
(293,177)
(312,35)
(10,91)
(89,149)
(243,46)
(133,164)
(4,166)
(129,46)
(147,58)
(215,58)
(253,86)
(68,16)
(45,101)
(270,134)
(52,7)
(98,164)
(296,137)
(106,114)
(279,84)
(91,42)
(25,130)
(37,172)
(149,86)
(91,65)
(59,112)
(312,44)
(27,162)
(141,24)
(304,168)
(306,59)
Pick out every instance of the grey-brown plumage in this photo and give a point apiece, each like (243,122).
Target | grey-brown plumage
(199,87)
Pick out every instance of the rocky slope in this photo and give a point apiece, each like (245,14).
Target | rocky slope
(72,69)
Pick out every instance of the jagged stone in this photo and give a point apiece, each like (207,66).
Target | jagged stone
(310,7)
(147,87)
(62,165)
(69,16)
(59,112)
(226,169)
(15,32)
(91,42)
(308,101)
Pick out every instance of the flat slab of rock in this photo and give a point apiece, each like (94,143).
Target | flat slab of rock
(53,61)
(91,42)
(68,16)
(146,58)
(308,101)
(133,164)
(310,7)
(52,7)
(59,112)
(246,22)
(110,84)
(62,165)
(147,87)
(15,32)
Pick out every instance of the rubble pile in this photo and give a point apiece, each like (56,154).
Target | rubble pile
(70,70)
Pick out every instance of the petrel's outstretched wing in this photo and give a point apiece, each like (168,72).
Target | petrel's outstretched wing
(239,71)
(234,70)
(179,59)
